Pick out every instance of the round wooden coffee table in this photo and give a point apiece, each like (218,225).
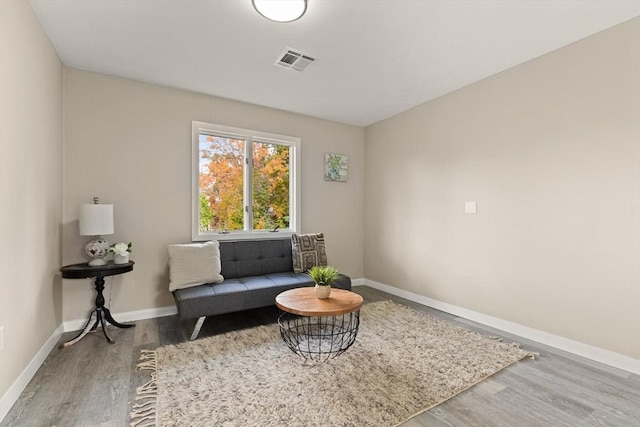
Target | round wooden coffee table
(319,329)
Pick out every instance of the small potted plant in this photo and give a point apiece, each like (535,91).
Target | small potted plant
(120,252)
(324,276)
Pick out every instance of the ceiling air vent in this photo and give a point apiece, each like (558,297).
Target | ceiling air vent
(295,60)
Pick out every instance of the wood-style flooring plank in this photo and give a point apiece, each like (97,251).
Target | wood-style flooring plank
(605,418)
(472,409)
(101,388)
(426,419)
(586,390)
(577,408)
(145,332)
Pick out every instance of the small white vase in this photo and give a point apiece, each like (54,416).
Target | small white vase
(322,291)
(121,259)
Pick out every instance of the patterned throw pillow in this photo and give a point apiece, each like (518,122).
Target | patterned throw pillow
(307,251)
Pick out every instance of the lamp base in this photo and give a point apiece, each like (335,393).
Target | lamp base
(97,249)
(97,262)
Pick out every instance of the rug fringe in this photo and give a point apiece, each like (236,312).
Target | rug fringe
(145,422)
(143,413)
(530,354)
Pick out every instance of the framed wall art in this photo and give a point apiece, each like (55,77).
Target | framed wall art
(336,167)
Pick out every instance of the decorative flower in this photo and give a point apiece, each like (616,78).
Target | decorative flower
(120,248)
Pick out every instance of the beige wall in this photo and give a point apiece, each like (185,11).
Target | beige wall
(550,151)
(30,188)
(130,144)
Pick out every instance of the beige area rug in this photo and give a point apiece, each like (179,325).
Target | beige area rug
(403,363)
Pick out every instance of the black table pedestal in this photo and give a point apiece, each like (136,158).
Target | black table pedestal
(101,315)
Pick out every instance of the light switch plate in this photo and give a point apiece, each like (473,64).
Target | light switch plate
(470,207)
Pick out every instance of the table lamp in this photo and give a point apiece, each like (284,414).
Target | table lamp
(96,220)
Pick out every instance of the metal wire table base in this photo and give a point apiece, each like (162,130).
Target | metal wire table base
(319,338)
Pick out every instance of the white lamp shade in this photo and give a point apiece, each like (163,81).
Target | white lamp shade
(96,219)
(281,10)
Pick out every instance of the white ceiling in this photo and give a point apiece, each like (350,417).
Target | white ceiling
(376,58)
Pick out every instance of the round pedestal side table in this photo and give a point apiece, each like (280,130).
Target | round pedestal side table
(101,314)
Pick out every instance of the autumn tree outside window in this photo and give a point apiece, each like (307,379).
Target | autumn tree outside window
(244,183)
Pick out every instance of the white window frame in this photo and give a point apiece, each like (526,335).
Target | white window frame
(249,136)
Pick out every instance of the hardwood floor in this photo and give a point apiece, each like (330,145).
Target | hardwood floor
(92,383)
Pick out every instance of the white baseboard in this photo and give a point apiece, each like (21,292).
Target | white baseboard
(585,350)
(18,386)
(127,316)
(357,282)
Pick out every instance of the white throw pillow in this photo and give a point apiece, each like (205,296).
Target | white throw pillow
(194,264)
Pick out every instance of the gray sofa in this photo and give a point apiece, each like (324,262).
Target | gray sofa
(254,271)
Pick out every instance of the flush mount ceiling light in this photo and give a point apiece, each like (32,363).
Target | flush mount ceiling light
(281,10)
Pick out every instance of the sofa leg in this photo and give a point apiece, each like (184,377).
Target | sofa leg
(196,330)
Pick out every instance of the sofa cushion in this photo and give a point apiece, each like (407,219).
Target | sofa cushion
(194,264)
(242,293)
(255,257)
(307,251)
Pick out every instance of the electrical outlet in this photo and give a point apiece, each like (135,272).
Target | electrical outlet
(1,337)
(470,207)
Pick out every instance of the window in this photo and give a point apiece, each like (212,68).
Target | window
(244,183)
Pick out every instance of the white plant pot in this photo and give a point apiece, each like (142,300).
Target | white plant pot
(121,259)
(322,291)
